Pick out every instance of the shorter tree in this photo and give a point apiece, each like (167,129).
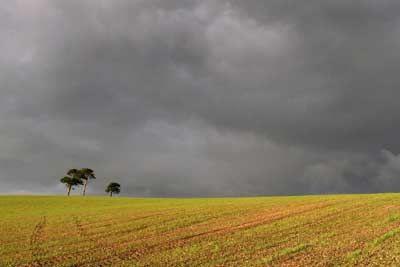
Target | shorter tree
(70,182)
(113,188)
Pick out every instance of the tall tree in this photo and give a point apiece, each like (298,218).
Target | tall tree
(85,175)
(74,173)
(113,188)
(70,182)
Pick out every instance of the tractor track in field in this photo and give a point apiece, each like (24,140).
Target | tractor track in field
(98,239)
(251,224)
(81,230)
(361,245)
(36,238)
(289,231)
(110,221)
(137,254)
(332,230)
(105,247)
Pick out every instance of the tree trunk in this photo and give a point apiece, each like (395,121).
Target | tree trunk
(84,187)
(69,189)
(110,194)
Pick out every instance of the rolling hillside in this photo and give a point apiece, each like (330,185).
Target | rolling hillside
(337,230)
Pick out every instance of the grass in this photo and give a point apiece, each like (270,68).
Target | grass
(386,236)
(354,254)
(335,230)
(288,251)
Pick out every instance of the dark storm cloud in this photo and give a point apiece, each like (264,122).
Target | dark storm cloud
(201,98)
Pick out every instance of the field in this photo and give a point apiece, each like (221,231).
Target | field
(336,230)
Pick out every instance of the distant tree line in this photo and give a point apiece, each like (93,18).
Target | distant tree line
(78,177)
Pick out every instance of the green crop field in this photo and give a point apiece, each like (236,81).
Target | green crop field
(339,230)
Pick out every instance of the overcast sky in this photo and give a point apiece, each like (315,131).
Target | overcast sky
(183,98)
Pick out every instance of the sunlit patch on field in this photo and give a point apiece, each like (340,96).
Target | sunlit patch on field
(342,230)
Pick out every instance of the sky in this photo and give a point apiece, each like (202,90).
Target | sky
(201,98)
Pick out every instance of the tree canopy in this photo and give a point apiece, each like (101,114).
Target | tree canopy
(113,188)
(70,182)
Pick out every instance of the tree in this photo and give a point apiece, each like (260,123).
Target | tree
(70,182)
(74,173)
(72,179)
(85,174)
(113,188)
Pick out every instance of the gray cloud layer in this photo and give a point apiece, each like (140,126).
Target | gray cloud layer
(201,98)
